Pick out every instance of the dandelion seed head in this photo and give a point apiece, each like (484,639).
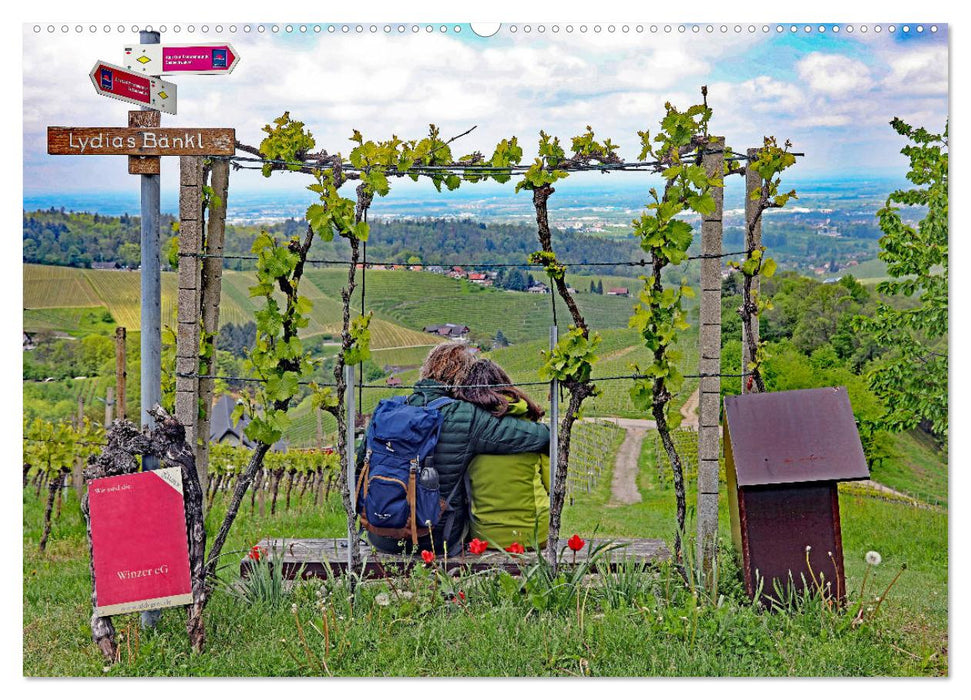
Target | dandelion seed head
(873,558)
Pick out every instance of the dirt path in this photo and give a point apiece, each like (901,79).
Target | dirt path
(690,411)
(623,487)
(881,488)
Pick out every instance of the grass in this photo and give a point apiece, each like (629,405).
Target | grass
(81,320)
(916,467)
(657,632)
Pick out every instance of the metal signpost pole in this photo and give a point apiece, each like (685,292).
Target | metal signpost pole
(151,277)
(351,419)
(554,419)
(151,309)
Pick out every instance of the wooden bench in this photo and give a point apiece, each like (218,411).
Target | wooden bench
(321,558)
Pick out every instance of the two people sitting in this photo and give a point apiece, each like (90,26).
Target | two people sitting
(492,441)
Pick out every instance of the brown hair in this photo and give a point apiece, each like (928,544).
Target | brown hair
(495,399)
(446,363)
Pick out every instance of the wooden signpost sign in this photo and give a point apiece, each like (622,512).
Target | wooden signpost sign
(143,141)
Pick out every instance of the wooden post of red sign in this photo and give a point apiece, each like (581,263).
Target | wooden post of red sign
(121,372)
(187,333)
(144,165)
(109,406)
(212,268)
(77,479)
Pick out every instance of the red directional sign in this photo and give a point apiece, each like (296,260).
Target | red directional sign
(124,85)
(166,59)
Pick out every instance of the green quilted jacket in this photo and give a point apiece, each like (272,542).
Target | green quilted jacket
(467,431)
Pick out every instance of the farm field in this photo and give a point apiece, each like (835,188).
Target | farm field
(419,299)
(48,288)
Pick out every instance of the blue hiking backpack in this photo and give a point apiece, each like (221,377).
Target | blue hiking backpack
(397,490)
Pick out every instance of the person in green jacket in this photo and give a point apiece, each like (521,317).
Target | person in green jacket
(467,430)
(510,493)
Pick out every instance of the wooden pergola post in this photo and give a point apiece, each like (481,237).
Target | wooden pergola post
(190,278)
(709,367)
(211,288)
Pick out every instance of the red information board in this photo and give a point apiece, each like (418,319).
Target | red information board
(139,542)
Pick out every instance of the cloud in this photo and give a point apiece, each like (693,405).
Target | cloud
(833,74)
(511,84)
(921,71)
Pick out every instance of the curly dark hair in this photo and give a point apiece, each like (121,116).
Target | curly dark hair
(446,363)
(495,399)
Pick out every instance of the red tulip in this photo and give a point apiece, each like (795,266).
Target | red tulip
(477,546)
(427,556)
(515,548)
(256,552)
(575,543)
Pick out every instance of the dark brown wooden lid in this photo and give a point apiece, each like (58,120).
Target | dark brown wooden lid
(784,437)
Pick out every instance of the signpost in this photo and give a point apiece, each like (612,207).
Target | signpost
(144,142)
(201,59)
(122,84)
(139,141)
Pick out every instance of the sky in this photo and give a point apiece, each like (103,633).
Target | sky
(831,92)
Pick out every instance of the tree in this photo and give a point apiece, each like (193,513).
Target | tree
(500,340)
(912,377)
(600,287)
(730,285)
(515,280)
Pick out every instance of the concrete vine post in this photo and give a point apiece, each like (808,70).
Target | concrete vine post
(211,288)
(709,366)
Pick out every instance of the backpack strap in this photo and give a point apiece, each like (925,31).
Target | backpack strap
(362,478)
(439,402)
(412,497)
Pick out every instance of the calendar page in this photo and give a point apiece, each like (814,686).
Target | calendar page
(552,252)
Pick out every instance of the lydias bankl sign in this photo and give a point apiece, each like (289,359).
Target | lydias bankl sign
(139,141)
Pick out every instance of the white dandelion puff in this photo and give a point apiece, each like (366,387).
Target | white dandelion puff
(873,558)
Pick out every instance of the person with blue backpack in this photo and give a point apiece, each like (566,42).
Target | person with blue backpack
(412,488)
